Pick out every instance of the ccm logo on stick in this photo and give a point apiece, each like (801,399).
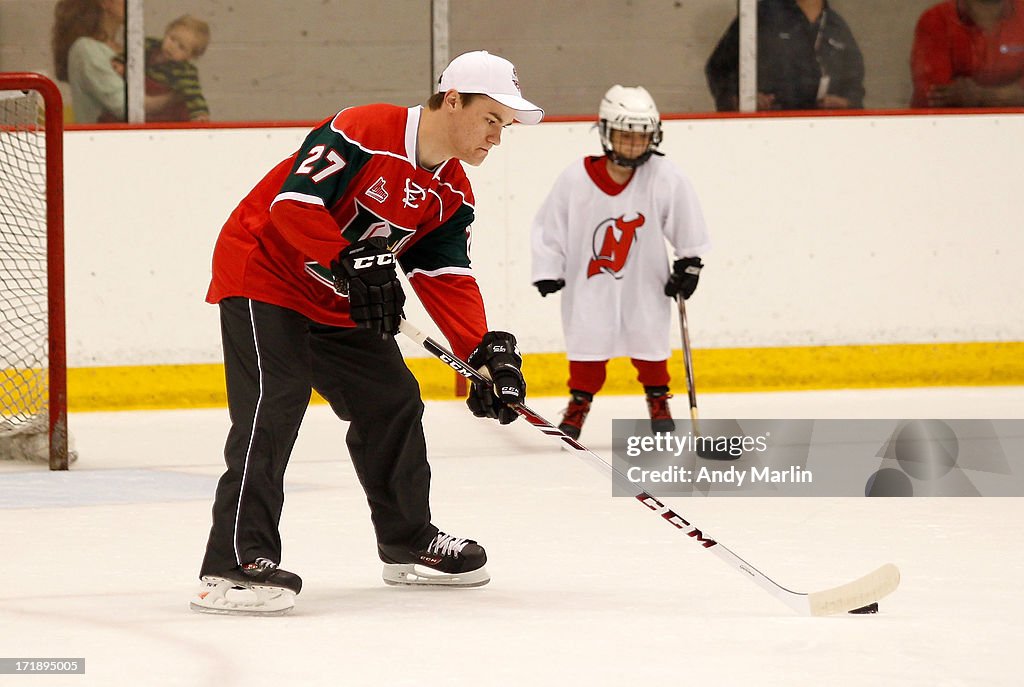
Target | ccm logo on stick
(456,365)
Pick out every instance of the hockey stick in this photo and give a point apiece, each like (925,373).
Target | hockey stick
(703,450)
(684,331)
(852,596)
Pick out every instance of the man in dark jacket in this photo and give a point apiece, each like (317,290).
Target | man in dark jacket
(807,58)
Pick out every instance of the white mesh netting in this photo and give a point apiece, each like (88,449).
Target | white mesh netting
(23,278)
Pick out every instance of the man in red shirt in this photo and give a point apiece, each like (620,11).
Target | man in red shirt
(969,53)
(304,273)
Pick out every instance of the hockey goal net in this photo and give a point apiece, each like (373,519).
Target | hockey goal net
(33,376)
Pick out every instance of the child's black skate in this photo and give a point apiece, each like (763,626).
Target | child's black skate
(657,408)
(576,413)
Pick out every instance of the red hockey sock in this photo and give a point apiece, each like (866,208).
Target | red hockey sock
(652,372)
(587,375)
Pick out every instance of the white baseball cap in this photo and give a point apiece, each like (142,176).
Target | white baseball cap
(493,76)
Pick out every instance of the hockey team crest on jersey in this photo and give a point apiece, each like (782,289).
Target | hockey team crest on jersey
(366,223)
(613,239)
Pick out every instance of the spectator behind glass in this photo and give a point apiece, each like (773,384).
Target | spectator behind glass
(85,40)
(86,45)
(969,53)
(807,58)
(170,71)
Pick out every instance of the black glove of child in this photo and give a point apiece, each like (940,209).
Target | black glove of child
(365,272)
(546,286)
(500,355)
(683,280)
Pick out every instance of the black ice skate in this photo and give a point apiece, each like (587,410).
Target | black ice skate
(576,414)
(258,588)
(657,408)
(446,561)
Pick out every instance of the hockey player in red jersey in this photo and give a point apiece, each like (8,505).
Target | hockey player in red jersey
(304,274)
(600,235)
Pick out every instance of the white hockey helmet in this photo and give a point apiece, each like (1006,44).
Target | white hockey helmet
(629,108)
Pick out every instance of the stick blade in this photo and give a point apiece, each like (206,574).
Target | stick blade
(857,594)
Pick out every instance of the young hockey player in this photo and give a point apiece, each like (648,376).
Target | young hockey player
(304,273)
(600,235)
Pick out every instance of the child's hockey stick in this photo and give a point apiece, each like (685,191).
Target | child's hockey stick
(703,450)
(684,331)
(853,596)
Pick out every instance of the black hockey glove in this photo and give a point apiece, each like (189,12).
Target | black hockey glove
(499,353)
(683,280)
(365,272)
(546,286)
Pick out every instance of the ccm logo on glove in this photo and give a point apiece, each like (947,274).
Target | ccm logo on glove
(498,353)
(365,272)
(368,262)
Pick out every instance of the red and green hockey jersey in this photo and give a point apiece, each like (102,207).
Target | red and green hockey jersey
(355,176)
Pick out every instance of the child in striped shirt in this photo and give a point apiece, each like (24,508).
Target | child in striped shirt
(170,69)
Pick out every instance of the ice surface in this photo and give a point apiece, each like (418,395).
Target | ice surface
(587,590)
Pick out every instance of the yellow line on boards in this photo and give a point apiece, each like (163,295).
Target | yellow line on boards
(715,370)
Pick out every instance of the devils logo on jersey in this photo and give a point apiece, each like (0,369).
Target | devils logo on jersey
(613,239)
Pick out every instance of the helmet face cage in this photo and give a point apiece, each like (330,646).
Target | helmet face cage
(629,109)
(606,127)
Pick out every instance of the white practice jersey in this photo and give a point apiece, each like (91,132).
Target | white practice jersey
(609,245)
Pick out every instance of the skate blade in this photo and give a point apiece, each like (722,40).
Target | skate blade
(410,575)
(219,596)
(240,610)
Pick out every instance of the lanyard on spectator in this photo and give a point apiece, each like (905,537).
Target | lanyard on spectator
(823,84)
(821,35)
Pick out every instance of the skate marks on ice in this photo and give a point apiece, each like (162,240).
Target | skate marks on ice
(85,487)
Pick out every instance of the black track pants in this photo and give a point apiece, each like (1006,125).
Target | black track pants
(273,356)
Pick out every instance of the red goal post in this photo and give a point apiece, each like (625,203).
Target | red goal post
(33,363)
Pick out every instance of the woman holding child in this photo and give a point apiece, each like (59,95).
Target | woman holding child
(88,54)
